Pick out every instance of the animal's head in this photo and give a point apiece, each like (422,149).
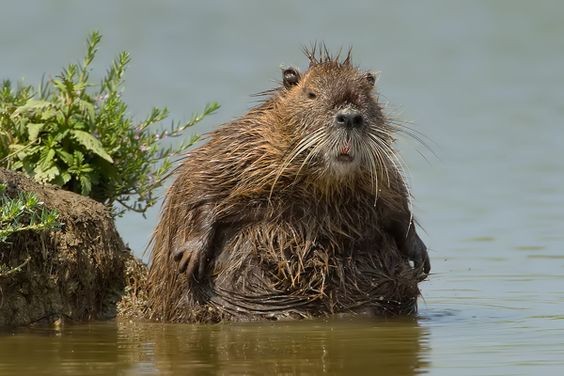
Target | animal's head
(333,108)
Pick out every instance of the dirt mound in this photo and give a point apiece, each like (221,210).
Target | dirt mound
(78,272)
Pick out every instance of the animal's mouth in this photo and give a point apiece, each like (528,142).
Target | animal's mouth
(345,155)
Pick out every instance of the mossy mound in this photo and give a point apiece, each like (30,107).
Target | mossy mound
(77,272)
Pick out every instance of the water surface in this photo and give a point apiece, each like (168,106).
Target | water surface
(357,347)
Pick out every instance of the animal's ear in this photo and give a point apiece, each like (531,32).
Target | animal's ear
(371,77)
(290,77)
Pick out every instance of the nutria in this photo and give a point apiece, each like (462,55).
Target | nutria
(297,209)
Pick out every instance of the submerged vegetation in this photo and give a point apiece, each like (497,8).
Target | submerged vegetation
(78,135)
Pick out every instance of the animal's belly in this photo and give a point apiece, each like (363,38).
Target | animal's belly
(288,269)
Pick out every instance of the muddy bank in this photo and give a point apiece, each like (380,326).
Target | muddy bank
(76,273)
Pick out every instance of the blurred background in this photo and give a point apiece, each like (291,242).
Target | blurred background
(482,80)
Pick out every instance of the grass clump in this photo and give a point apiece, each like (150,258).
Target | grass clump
(23,213)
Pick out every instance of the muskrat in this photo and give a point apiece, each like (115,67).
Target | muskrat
(297,209)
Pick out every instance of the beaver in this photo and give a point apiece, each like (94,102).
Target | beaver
(297,209)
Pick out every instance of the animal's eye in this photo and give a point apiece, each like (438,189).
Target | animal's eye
(311,95)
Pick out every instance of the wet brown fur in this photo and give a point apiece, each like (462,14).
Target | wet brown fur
(266,232)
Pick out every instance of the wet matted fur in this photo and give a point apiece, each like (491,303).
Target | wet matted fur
(297,209)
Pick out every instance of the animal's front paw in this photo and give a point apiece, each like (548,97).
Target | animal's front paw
(416,251)
(420,258)
(191,259)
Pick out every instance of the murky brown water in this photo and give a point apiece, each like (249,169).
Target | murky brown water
(483,80)
(357,347)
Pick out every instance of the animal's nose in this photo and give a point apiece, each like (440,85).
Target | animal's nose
(349,118)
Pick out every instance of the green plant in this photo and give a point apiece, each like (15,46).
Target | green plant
(78,135)
(23,213)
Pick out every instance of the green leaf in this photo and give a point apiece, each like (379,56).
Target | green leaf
(33,130)
(46,175)
(16,166)
(46,160)
(78,157)
(65,156)
(66,177)
(45,170)
(62,179)
(77,124)
(32,105)
(85,185)
(91,143)
(23,151)
(59,84)
(14,148)
(58,137)
(48,113)
(86,108)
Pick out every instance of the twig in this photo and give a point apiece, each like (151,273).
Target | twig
(17,268)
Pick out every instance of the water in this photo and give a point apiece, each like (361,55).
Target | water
(483,80)
(281,348)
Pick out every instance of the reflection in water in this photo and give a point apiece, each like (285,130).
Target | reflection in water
(90,349)
(397,347)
